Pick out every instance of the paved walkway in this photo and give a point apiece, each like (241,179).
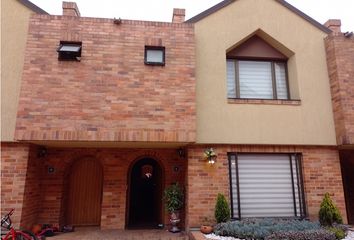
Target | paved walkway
(95,233)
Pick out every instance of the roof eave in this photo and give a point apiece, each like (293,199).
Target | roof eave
(32,6)
(209,11)
(225,3)
(304,16)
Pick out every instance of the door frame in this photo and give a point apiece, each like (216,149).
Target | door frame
(68,185)
(130,169)
(344,158)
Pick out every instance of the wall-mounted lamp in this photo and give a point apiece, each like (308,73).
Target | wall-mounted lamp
(42,152)
(181,152)
(210,155)
(348,34)
(117,21)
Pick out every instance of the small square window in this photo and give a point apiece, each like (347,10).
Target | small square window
(154,55)
(69,51)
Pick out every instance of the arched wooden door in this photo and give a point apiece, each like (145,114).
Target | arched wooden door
(85,193)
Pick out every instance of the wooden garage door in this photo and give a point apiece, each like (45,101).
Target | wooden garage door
(85,193)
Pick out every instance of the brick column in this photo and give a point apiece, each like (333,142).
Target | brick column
(14,163)
(114,193)
(204,182)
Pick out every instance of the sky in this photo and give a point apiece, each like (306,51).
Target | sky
(161,10)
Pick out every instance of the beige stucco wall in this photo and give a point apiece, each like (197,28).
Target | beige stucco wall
(14,26)
(310,123)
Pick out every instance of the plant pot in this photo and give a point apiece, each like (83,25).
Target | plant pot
(206,229)
(174,219)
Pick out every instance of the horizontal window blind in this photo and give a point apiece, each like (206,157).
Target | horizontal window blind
(231,83)
(265,185)
(280,78)
(255,79)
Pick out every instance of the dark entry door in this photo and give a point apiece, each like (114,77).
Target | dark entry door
(347,164)
(85,193)
(145,196)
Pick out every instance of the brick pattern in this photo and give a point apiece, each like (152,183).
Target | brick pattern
(19,185)
(110,95)
(116,163)
(71,9)
(32,193)
(340,61)
(321,168)
(178,15)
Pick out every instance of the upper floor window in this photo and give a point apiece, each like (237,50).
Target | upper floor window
(69,51)
(154,55)
(256,70)
(257,79)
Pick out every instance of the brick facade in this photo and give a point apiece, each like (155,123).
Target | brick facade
(340,61)
(41,196)
(111,95)
(321,170)
(116,164)
(20,185)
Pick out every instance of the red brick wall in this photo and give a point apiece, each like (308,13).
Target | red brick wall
(32,194)
(116,163)
(110,95)
(20,183)
(340,61)
(321,174)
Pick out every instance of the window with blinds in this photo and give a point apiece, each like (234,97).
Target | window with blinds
(257,79)
(266,185)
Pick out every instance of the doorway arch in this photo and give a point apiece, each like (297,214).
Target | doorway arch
(85,193)
(144,203)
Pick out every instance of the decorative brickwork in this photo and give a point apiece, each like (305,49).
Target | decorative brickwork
(340,60)
(111,95)
(116,164)
(321,168)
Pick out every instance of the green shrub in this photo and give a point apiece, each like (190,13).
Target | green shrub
(329,213)
(261,228)
(320,234)
(222,209)
(173,197)
(344,227)
(338,232)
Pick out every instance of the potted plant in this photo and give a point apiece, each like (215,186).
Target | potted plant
(206,227)
(173,197)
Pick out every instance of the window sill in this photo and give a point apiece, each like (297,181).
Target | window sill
(263,101)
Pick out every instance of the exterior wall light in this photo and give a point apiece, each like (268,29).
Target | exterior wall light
(210,156)
(42,152)
(181,152)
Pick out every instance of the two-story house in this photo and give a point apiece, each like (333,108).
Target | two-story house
(113,111)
